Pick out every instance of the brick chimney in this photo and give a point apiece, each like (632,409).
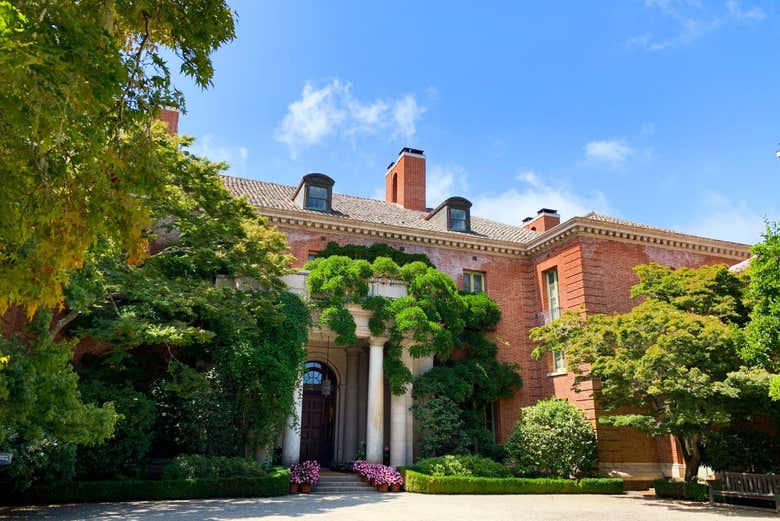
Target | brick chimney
(171,118)
(544,220)
(405,180)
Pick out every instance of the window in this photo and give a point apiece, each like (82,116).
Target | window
(313,374)
(473,281)
(459,220)
(489,420)
(559,362)
(554,311)
(316,198)
(312,255)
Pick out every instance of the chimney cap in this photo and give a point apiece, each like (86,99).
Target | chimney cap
(528,219)
(411,151)
(547,211)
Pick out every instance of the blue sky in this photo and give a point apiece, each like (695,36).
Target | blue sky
(663,112)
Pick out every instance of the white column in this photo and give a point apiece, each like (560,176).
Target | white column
(375,409)
(291,450)
(351,416)
(399,412)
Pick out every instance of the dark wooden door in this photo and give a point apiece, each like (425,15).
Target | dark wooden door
(315,432)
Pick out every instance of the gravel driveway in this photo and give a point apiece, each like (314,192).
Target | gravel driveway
(397,507)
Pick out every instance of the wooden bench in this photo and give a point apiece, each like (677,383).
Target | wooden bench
(746,486)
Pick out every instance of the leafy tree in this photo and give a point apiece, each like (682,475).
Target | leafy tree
(208,301)
(706,290)
(678,372)
(42,415)
(763,332)
(81,87)
(552,439)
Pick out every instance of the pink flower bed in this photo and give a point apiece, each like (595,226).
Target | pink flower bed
(307,473)
(378,474)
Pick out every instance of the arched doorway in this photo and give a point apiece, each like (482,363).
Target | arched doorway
(319,413)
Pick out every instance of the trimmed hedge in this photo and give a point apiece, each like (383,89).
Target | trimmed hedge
(682,490)
(425,484)
(276,483)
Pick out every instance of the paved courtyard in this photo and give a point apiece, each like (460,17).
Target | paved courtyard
(396,507)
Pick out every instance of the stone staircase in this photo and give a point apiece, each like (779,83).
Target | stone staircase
(341,483)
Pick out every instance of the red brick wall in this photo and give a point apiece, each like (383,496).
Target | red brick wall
(598,273)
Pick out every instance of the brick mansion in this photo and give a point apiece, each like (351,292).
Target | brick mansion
(533,269)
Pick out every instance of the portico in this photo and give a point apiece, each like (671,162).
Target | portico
(343,405)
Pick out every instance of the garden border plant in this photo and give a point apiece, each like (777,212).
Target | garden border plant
(275,483)
(427,484)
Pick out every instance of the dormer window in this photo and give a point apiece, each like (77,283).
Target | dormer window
(459,220)
(317,198)
(315,192)
(453,214)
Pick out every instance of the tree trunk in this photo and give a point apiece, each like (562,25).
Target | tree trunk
(691,449)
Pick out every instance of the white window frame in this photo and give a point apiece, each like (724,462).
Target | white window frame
(468,275)
(554,309)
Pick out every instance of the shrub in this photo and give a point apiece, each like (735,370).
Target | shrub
(129,445)
(552,439)
(42,462)
(211,467)
(425,484)
(469,465)
(440,420)
(741,451)
(681,490)
(275,483)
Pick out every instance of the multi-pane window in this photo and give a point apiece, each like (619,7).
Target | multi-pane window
(312,255)
(316,198)
(459,220)
(554,310)
(473,281)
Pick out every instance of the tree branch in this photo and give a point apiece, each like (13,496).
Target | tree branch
(64,321)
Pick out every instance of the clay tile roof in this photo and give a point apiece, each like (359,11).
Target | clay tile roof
(740,266)
(262,194)
(614,220)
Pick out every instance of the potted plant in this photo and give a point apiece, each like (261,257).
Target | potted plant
(305,475)
(396,481)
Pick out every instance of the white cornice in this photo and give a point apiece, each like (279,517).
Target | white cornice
(576,226)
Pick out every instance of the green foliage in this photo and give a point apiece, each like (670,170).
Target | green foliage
(127,449)
(681,490)
(425,484)
(214,467)
(41,462)
(434,319)
(371,253)
(763,332)
(552,439)
(678,372)
(441,424)
(80,153)
(706,290)
(275,483)
(741,450)
(233,350)
(467,465)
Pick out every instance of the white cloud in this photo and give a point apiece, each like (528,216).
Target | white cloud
(723,218)
(534,192)
(332,110)
(612,151)
(208,146)
(692,20)
(443,182)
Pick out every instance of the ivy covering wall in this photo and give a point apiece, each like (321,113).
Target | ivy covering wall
(454,399)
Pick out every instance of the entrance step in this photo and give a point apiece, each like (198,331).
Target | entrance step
(335,483)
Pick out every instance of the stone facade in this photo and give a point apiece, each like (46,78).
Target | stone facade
(594,257)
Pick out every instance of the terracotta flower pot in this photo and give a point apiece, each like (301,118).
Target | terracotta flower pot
(395,488)
(372,482)
(381,488)
(293,488)
(306,488)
